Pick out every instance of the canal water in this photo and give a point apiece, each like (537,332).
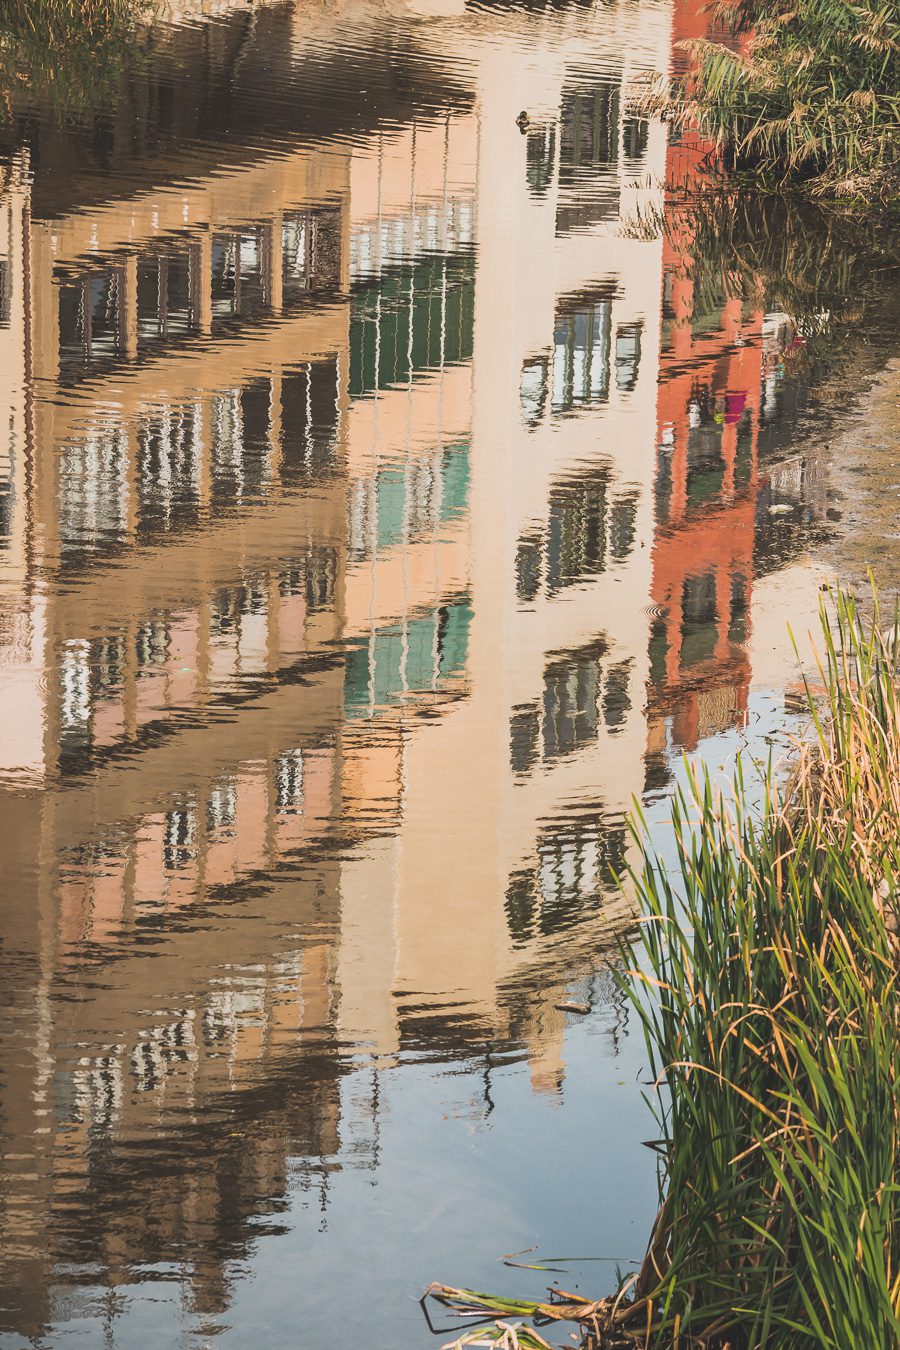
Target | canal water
(392,493)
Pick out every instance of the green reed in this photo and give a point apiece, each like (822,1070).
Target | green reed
(813,94)
(766,984)
(771,956)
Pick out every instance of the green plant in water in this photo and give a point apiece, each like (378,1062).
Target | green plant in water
(774,1033)
(766,983)
(811,94)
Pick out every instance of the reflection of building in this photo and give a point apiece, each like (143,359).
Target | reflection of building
(717,419)
(328,502)
(706,482)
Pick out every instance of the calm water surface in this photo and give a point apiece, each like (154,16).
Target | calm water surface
(388,498)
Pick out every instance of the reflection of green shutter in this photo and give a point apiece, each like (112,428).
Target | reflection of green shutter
(455,476)
(744,465)
(659,650)
(419,294)
(452,635)
(698,644)
(356,682)
(388,656)
(420,657)
(455,639)
(391,497)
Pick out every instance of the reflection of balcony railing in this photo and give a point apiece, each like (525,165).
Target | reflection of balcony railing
(415,656)
(171,664)
(578,860)
(586,529)
(250,437)
(401,501)
(578,698)
(143,303)
(417,318)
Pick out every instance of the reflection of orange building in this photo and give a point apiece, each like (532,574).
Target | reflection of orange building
(707,432)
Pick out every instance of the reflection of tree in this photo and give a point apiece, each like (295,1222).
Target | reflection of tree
(826,269)
(73,56)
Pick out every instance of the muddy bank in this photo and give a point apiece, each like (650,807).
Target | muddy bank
(864,469)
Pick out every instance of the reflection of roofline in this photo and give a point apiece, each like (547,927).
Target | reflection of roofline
(231,128)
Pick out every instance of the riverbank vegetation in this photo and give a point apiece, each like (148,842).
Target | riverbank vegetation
(800,92)
(766,984)
(69,54)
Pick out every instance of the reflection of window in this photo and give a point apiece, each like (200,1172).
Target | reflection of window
(628,355)
(743,468)
(402,501)
(533,389)
(309,400)
(635,135)
(165,296)
(589,151)
(108,662)
(169,461)
(737,625)
(178,839)
(152,644)
(616,700)
(221,807)
(238,279)
(571,693)
(663,486)
(415,656)
(698,622)
(577,860)
(289,782)
(256,412)
(540,152)
(5,292)
(622,518)
(320,578)
(417,317)
(590,126)
(296,247)
(89,320)
(254,598)
(581,343)
(529,566)
(227,458)
(524,730)
(93,491)
(658,651)
(74,705)
(706,466)
(657,774)
(576,538)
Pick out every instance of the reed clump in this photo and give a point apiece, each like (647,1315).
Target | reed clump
(774,1031)
(801,91)
(766,984)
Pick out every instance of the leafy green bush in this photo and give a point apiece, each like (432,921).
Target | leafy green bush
(811,93)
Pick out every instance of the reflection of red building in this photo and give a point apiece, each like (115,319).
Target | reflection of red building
(707,429)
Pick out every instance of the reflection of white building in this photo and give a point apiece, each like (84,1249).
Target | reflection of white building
(536,766)
(441,463)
